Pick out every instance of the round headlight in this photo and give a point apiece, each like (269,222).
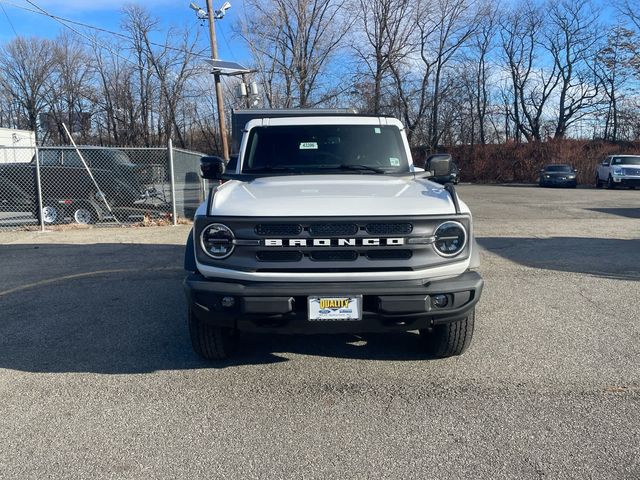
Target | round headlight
(217,241)
(450,239)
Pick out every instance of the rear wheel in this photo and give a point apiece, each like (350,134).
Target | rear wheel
(211,342)
(83,215)
(450,339)
(598,182)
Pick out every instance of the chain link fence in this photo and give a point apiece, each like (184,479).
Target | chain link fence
(45,186)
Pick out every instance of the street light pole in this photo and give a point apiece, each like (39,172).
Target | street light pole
(216,77)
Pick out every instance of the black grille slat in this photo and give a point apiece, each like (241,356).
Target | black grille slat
(389,254)
(279,256)
(334,256)
(332,229)
(389,228)
(279,229)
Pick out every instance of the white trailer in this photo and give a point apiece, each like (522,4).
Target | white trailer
(17,146)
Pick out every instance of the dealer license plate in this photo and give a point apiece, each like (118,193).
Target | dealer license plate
(335,308)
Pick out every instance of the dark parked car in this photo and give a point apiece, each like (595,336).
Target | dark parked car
(452,175)
(54,210)
(63,174)
(558,175)
(67,188)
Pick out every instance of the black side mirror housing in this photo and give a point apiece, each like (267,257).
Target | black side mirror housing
(438,165)
(212,168)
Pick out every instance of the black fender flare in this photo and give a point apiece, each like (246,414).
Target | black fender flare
(190,254)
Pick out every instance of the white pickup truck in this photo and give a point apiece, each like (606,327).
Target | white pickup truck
(619,170)
(325,226)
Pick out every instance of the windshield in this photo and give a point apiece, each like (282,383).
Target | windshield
(326,148)
(625,161)
(559,168)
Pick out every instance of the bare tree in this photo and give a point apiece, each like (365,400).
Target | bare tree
(72,98)
(443,28)
(384,38)
(572,35)
(481,48)
(27,66)
(295,41)
(532,84)
(615,67)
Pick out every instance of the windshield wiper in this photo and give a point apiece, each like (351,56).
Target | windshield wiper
(366,168)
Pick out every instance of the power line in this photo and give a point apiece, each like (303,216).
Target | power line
(224,37)
(60,20)
(9,20)
(92,40)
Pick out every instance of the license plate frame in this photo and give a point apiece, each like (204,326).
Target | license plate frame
(332,308)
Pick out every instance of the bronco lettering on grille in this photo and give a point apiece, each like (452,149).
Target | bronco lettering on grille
(332,242)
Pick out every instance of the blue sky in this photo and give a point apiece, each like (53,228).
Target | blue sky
(106,14)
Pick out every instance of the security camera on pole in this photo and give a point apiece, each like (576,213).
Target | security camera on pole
(220,67)
(211,16)
(216,77)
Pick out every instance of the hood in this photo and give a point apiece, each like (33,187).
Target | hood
(332,195)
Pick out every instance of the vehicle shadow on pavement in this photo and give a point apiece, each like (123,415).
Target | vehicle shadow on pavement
(621,212)
(600,257)
(120,308)
(265,348)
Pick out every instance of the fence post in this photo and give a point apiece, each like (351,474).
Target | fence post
(39,192)
(173,185)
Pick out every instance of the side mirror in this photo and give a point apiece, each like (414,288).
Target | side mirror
(438,165)
(212,168)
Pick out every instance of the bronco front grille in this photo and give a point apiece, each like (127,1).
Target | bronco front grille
(279,229)
(279,256)
(332,229)
(389,228)
(389,254)
(338,244)
(334,255)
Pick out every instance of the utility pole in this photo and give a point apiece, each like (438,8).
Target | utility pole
(216,77)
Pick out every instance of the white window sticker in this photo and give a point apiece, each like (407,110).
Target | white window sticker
(394,162)
(377,130)
(308,146)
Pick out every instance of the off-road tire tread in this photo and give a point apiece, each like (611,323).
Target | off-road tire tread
(210,342)
(450,339)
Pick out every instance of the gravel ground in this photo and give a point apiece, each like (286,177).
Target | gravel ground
(98,379)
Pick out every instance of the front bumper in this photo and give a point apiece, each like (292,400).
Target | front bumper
(627,181)
(556,182)
(282,307)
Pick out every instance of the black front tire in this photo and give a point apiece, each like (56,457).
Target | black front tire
(610,183)
(451,339)
(211,342)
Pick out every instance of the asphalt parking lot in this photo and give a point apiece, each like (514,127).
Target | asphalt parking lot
(98,379)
